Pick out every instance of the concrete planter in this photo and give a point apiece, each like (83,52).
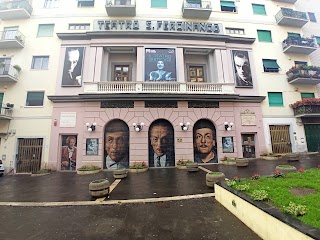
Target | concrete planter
(292,157)
(138,170)
(270,158)
(87,172)
(39,174)
(192,167)
(242,162)
(181,167)
(99,188)
(286,169)
(213,177)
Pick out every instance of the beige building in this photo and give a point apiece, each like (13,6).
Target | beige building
(111,83)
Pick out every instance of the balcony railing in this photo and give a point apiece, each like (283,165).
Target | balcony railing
(290,17)
(307,110)
(8,73)
(201,10)
(158,87)
(11,39)
(121,8)
(15,9)
(6,111)
(300,45)
(304,76)
(285,1)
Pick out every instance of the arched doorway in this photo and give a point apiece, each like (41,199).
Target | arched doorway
(204,142)
(116,145)
(161,144)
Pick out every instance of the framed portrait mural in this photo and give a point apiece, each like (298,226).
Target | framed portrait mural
(116,144)
(242,69)
(227,145)
(73,66)
(160,64)
(69,152)
(161,144)
(204,141)
(92,145)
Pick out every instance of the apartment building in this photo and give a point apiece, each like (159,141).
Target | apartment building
(112,83)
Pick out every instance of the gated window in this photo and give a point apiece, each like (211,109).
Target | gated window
(275,99)
(270,65)
(35,99)
(228,6)
(307,95)
(158,3)
(121,73)
(259,9)
(264,36)
(196,74)
(45,30)
(40,62)
(79,26)
(312,17)
(235,31)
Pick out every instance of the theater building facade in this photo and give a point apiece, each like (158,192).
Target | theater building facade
(138,90)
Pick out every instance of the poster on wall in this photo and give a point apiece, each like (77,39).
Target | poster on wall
(161,144)
(72,68)
(204,141)
(69,152)
(227,145)
(116,145)
(242,69)
(160,64)
(92,146)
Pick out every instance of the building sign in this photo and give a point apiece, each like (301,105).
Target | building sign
(248,118)
(68,119)
(157,26)
(160,64)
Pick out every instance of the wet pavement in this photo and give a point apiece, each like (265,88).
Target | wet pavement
(189,219)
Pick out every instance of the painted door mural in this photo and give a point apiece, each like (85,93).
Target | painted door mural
(69,152)
(204,141)
(116,142)
(161,144)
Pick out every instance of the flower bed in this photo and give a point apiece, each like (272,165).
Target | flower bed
(85,170)
(138,167)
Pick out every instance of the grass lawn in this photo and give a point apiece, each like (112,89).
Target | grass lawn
(299,187)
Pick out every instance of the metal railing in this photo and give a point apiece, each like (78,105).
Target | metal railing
(288,12)
(307,109)
(120,3)
(299,41)
(302,73)
(6,109)
(8,69)
(11,5)
(200,5)
(12,35)
(159,87)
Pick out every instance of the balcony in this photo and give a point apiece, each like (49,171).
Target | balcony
(121,8)
(11,39)
(6,111)
(289,17)
(196,10)
(304,75)
(299,45)
(8,73)
(285,1)
(15,10)
(158,87)
(307,111)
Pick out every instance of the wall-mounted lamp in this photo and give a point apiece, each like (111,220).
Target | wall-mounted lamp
(11,132)
(138,126)
(228,126)
(91,127)
(184,126)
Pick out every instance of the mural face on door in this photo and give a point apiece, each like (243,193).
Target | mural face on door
(69,152)
(116,145)
(161,144)
(204,141)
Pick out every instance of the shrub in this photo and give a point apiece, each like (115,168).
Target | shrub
(138,165)
(295,209)
(255,176)
(259,195)
(242,187)
(230,183)
(88,168)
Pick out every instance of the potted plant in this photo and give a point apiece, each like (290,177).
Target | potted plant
(17,67)
(182,164)
(85,170)
(138,167)
(270,156)
(213,177)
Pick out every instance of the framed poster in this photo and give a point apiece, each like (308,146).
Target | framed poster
(69,152)
(92,146)
(242,69)
(227,145)
(160,64)
(72,68)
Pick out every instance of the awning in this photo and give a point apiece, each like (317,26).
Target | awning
(227,4)
(270,64)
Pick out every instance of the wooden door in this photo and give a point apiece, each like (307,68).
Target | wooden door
(280,139)
(313,137)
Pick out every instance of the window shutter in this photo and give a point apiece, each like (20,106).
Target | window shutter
(35,99)
(275,99)
(307,95)
(259,9)
(45,30)
(291,34)
(270,64)
(227,4)
(158,3)
(264,36)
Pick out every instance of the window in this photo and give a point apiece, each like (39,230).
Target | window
(295,35)
(121,73)
(196,74)
(158,3)
(275,99)
(40,62)
(312,17)
(264,36)
(299,63)
(235,31)
(51,3)
(228,6)
(318,40)
(85,3)
(123,2)
(35,99)
(259,9)
(307,95)
(80,26)
(45,30)
(270,65)
(193,3)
